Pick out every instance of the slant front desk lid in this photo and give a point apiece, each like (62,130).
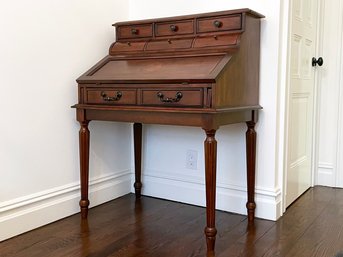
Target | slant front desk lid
(171,69)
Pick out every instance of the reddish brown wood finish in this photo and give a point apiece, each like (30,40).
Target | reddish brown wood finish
(247,59)
(95,96)
(137,137)
(230,22)
(134,31)
(210,145)
(127,47)
(195,70)
(251,163)
(152,70)
(169,44)
(216,40)
(84,167)
(189,97)
(174,28)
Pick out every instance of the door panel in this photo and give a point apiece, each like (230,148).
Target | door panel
(300,99)
(299,128)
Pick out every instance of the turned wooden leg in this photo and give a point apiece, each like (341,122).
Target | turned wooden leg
(137,135)
(84,167)
(251,160)
(210,176)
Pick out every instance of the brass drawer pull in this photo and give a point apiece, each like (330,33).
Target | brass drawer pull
(111,99)
(177,98)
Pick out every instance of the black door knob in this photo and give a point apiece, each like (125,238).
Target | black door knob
(318,61)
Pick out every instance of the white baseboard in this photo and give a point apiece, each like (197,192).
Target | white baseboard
(230,198)
(26,213)
(326,174)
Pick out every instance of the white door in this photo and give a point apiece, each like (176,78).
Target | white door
(302,46)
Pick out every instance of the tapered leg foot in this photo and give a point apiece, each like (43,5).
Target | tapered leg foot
(138,189)
(210,240)
(84,208)
(210,145)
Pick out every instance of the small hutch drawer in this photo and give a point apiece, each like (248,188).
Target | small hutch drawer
(174,28)
(169,44)
(217,40)
(111,96)
(219,23)
(134,31)
(173,97)
(127,47)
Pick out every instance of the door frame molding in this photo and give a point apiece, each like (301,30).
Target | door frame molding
(339,156)
(317,106)
(282,100)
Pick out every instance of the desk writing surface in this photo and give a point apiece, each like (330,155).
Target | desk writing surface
(193,68)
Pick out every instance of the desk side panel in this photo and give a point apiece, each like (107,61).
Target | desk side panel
(238,83)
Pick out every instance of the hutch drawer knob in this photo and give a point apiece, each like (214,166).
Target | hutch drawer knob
(177,98)
(173,28)
(134,31)
(111,98)
(217,24)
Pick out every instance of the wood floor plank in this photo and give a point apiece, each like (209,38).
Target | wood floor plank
(150,227)
(324,236)
(246,243)
(280,239)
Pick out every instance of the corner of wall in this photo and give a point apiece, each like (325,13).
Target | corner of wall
(26,213)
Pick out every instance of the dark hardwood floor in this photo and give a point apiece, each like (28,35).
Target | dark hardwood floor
(151,227)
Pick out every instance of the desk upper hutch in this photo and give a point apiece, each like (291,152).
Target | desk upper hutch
(196,70)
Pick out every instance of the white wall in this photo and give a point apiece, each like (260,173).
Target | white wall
(44,47)
(165,147)
(330,82)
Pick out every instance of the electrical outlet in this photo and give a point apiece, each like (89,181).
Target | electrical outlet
(191,159)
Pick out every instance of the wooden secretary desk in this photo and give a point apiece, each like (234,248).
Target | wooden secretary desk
(196,70)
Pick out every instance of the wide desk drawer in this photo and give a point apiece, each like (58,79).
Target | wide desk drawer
(111,96)
(172,97)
